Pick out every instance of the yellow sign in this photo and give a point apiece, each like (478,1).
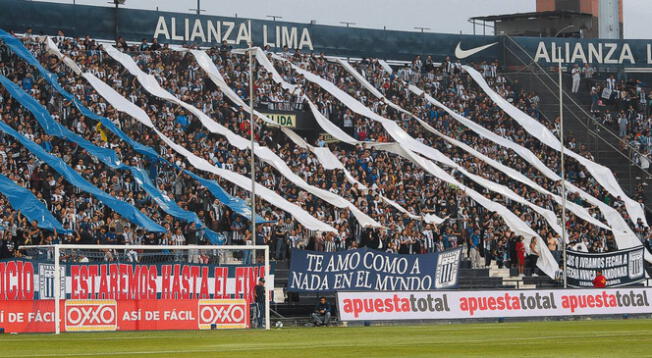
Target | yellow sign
(285,120)
(328,138)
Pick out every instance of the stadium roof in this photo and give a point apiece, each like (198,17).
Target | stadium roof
(543,14)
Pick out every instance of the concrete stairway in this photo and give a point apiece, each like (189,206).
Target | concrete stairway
(508,278)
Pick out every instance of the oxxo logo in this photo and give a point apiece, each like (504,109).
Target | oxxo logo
(226,313)
(91,315)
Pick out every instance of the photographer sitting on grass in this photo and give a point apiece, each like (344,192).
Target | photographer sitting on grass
(322,313)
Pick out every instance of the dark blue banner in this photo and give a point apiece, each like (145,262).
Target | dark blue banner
(179,28)
(365,269)
(595,52)
(619,268)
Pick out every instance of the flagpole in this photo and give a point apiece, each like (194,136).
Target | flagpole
(251,131)
(563,174)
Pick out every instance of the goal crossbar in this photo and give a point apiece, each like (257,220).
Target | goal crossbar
(149,247)
(57,265)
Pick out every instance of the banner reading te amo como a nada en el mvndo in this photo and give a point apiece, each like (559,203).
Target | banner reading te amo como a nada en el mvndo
(420,305)
(365,269)
(621,268)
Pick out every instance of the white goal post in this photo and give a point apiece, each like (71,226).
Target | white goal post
(188,250)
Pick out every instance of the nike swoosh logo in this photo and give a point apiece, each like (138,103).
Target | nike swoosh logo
(459,53)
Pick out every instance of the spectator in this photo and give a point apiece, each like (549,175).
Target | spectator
(576,75)
(532,258)
(474,252)
(622,124)
(259,303)
(553,245)
(520,255)
(599,281)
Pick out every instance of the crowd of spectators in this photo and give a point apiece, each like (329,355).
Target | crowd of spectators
(455,89)
(467,224)
(624,107)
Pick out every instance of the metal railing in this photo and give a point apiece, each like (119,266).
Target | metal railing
(281,106)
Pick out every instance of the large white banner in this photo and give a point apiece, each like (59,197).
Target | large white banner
(424,305)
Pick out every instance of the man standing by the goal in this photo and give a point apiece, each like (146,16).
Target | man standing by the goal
(259,302)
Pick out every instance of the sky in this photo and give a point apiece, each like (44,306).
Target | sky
(445,16)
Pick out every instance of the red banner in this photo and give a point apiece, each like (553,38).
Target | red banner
(29,280)
(124,315)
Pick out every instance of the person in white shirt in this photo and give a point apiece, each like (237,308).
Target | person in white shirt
(611,83)
(576,74)
(588,72)
(179,240)
(622,124)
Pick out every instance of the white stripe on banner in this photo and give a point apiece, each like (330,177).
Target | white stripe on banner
(548,215)
(328,160)
(123,105)
(407,144)
(242,181)
(602,174)
(579,211)
(385,66)
(149,83)
(624,236)
(324,155)
(337,133)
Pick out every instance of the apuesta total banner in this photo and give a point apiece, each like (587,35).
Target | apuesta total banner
(365,269)
(420,305)
(620,268)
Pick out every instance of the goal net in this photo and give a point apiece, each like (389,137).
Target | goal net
(126,288)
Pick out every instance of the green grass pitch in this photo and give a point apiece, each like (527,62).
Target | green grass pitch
(597,338)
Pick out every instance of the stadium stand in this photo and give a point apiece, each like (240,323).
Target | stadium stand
(174,173)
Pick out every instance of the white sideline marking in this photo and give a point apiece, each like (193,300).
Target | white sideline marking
(272,345)
(119,335)
(113,353)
